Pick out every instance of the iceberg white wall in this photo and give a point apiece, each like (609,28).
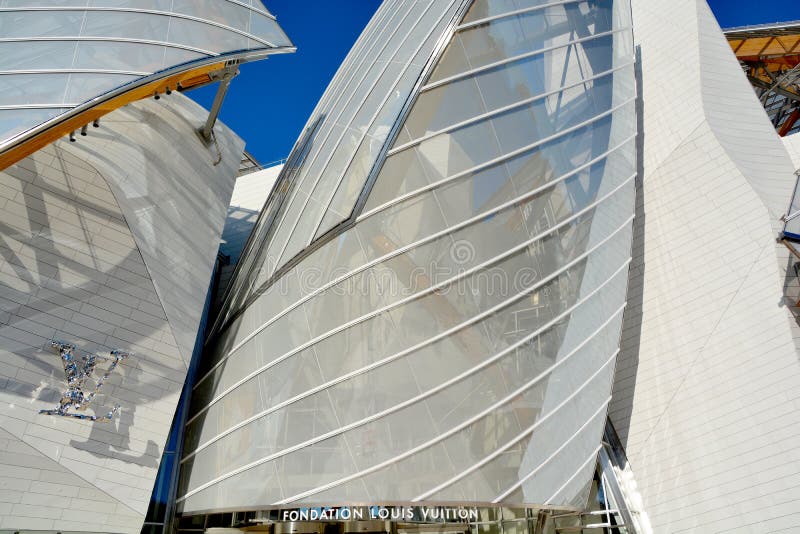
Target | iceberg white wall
(706,389)
(106,243)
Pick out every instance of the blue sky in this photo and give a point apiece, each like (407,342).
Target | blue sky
(268,104)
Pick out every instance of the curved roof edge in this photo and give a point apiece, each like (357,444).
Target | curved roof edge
(792,25)
(187,75)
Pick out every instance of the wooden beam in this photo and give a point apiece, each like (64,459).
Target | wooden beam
(766,46)
(789,123)
(791,247)
(186,79)
(756,47)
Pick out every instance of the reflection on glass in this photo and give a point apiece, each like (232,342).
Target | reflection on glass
(457,339)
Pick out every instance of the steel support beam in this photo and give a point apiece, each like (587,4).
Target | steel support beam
(225,77)
(779,90)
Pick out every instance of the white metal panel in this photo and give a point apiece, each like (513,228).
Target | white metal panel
(107,243)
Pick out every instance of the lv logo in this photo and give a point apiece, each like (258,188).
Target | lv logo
(79,372)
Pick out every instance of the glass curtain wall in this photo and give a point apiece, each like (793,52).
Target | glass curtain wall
(54,56)
(440,320)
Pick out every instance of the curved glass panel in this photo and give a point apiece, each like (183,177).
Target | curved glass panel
(462,328)
(417,269)
(341,353)
(356,121)
(119,40)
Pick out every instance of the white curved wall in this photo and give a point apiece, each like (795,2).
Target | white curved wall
(706,386)
(107,243)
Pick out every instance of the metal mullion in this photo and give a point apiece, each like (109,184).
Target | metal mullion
(489,66)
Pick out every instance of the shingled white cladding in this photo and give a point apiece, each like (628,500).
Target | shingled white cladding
(107,243)
(706,389)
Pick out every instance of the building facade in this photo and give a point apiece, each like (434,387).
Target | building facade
(372,402)
(463,197)
(528,268)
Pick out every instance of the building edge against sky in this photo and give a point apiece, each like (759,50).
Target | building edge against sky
(368,350)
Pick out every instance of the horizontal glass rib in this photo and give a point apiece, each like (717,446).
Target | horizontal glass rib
(516,345)
(415,296)
(489,66)
(520,437)
(406,248)
(405,352)
(447,434)
(75,38)
(79,8)
(547,460)
(73,71)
